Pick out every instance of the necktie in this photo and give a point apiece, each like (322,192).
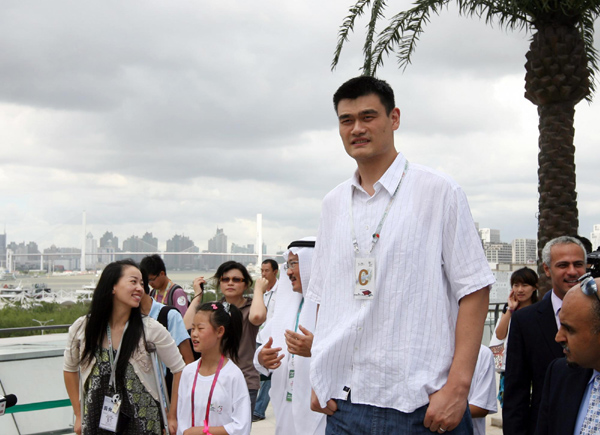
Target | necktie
(591,423)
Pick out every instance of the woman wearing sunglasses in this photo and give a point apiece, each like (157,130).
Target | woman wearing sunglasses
(233,279)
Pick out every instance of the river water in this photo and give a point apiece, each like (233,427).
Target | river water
(77,281)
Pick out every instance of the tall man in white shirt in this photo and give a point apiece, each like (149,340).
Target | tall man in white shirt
(393,352)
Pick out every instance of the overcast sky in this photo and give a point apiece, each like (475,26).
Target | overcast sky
(178,117)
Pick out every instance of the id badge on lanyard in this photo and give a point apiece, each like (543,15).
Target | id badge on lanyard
(289,390)
(109,418)
(364,273)
(364,267)
(110,413)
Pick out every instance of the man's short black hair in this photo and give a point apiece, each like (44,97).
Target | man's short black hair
(273,264)
(153,265)
(365,85)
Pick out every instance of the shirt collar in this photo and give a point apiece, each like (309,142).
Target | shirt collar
(556,303)
(389,180)
(596,373)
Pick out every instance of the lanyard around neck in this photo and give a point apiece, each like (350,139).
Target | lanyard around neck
(298,319)
(115,360)
(211,389)
(377,233)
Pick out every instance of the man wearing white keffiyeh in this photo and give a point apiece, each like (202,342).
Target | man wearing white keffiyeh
(287,352)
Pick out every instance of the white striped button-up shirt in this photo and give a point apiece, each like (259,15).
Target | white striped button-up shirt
(395,350)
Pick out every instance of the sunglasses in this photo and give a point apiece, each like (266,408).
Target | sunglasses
(235,279)
(588,285)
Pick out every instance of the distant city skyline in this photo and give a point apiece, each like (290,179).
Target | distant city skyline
(181,252)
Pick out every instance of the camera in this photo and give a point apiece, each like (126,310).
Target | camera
(593,261)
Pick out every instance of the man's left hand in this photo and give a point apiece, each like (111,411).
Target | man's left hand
(299,344)
(446,410)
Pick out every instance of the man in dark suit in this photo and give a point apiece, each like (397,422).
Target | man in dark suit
(569,382)
(531,346)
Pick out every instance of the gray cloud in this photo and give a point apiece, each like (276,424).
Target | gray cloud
(179,117)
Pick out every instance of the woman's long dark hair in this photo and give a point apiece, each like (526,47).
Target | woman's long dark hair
(230,317)
(101,311)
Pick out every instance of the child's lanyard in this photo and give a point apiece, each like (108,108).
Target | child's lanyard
(113,362)
(209,395)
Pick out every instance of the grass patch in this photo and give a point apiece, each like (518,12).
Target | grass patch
(20,316)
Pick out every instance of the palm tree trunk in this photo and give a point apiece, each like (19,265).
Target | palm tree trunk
(557,79)
(558,214)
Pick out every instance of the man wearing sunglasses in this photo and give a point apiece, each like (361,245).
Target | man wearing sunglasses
(531,337)
(571,396)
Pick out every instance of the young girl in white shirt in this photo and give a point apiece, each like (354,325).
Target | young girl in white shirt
(213,396)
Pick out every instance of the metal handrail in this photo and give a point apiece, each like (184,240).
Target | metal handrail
(33,328)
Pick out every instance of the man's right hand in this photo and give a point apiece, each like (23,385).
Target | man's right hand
(269,357)
(316,406)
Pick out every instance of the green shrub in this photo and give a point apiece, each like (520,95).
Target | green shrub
(20,316)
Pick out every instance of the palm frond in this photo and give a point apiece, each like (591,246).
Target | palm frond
(348,26)
(376,14)
(509,14)
(402,34)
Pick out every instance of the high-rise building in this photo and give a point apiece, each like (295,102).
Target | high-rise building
(181,262)
(150,242)
(489,235)
(135,244)
(109,241)
(68,260)
(22,255)
(239,249)
(217,244)
(524,251)
(3,264)
(91,252)
(498,252)
(595,237)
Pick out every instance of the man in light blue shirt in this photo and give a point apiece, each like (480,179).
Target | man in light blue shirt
(174,324)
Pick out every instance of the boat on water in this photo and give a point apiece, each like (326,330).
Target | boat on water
(7,276)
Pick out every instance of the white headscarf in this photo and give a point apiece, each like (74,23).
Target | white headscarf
(286,312)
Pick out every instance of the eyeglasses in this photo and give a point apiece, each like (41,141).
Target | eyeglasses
(588,285)
(235,279)
(290,265)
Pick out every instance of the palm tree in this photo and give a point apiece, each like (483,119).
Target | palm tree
(560,69)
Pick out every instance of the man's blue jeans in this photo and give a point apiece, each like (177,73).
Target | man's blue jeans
(263,398)
(353,418)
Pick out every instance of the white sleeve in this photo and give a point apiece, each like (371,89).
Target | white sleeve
(241,413)
(262,370)
(483,385)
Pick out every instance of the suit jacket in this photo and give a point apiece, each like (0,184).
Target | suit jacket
(531,349)
(561,398)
